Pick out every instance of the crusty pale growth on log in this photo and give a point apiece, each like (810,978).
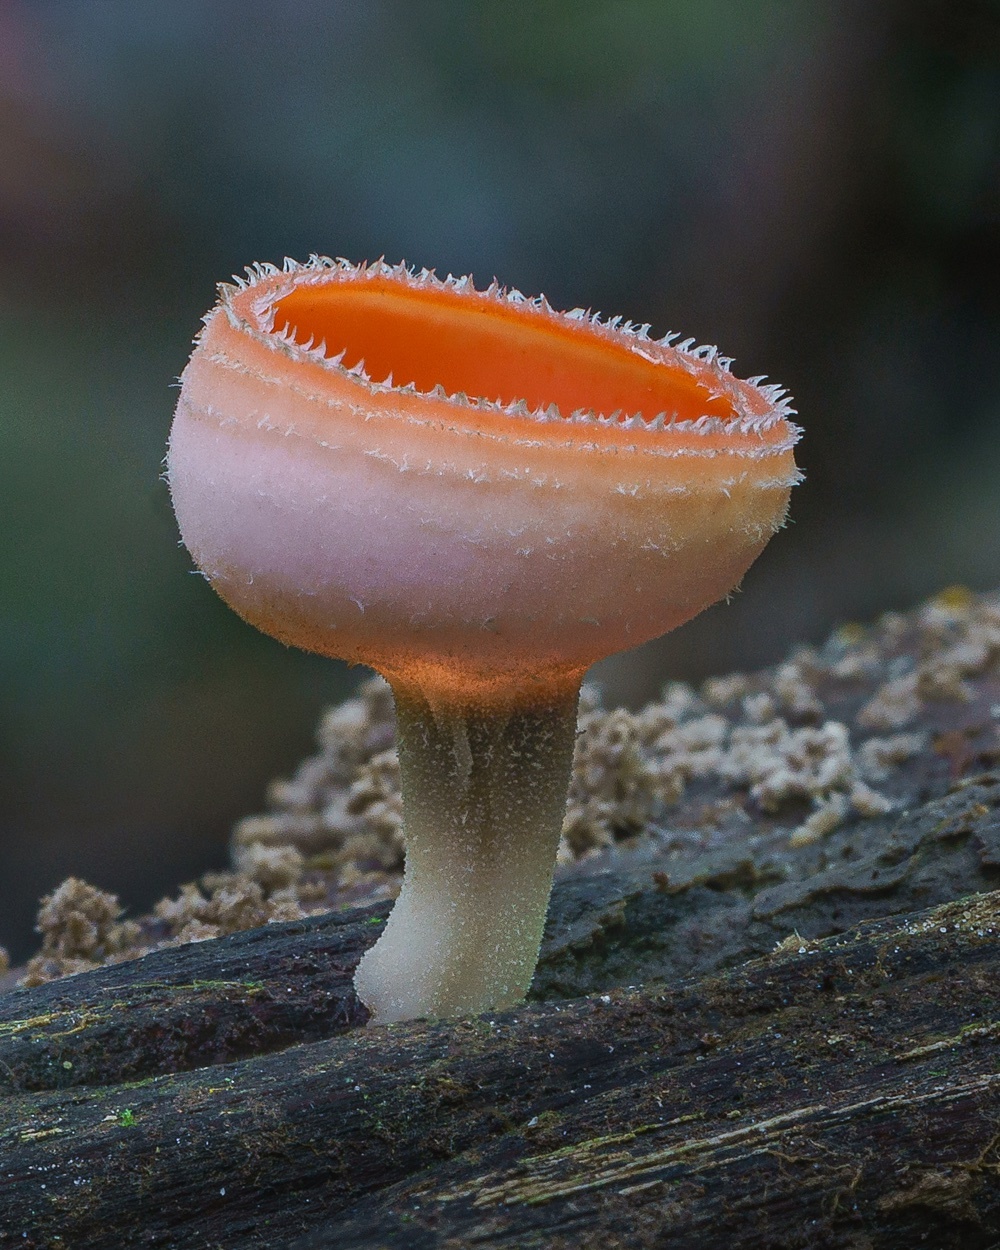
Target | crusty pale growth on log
(773,741)
(81,928)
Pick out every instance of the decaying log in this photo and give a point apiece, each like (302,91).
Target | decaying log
(836,1093)
(190,1007)
(691,914)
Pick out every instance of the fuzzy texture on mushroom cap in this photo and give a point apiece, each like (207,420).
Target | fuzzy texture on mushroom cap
(466,490)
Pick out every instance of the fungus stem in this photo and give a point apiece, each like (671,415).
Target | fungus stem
(484,795)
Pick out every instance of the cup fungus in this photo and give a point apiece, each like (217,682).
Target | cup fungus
(479,497)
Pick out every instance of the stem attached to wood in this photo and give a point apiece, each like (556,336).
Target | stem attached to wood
(484,795)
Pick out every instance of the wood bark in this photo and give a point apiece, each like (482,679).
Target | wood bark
(842,1092)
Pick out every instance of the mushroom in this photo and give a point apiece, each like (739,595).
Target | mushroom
(479,497)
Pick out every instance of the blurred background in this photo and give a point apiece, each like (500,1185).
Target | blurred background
(812,185)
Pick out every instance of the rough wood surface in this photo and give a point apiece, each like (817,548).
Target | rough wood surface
(842,1093)
(691,914)
(827,1091)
